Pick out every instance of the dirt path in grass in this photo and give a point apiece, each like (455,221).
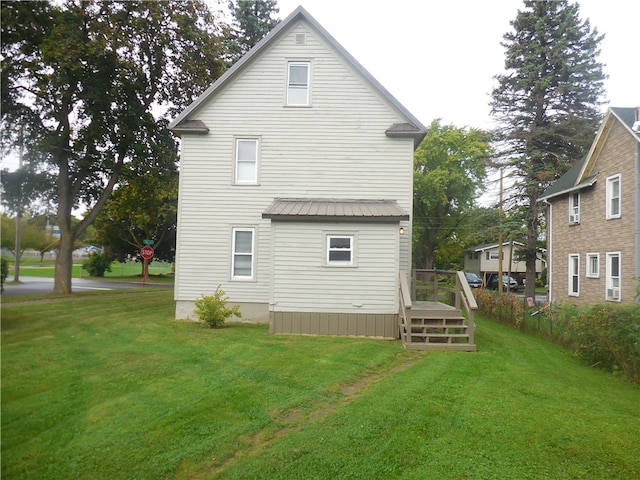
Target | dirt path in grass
(294,420)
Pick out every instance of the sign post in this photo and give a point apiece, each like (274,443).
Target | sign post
(146,253)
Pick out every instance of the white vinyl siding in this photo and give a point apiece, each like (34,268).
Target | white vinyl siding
(574,275)
(303,282)
(574,207)
(613,279)
(246,165)
(303,153)
(614,207)
(298,74)
(593,265)
(242,256)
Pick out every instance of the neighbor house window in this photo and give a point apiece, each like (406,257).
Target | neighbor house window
(574,275)
(613,197)
(574,208)
(242,264)
(246,161)
(494,255)
(593,265)
(339,250)
(613,276)
(298,83)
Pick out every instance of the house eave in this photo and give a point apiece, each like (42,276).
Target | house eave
(299,14)
(581,186)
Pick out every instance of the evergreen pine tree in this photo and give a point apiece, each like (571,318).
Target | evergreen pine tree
(546,105)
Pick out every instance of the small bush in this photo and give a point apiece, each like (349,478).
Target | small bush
(97,264)
(4,271)
(213,310)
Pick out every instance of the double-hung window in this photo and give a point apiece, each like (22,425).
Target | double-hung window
(574,208)
(613,196)
(243,253)
(574,275)
(593,265)
(613,276)
(339,249)
(246,165)
(298,83)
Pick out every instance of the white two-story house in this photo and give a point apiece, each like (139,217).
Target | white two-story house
(296,189)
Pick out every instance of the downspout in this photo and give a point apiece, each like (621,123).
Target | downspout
(637,216)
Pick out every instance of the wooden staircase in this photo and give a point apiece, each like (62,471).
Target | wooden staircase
(434,324)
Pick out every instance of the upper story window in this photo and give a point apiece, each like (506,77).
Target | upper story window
(339,250)
(494,255)
(246,164)
(574,208)
(613,196)
(298,83)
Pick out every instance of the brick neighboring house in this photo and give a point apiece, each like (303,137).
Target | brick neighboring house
(593,218)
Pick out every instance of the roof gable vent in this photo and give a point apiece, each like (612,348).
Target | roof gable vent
(300,39)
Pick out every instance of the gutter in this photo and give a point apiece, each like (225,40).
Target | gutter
(550,250)
(637,215)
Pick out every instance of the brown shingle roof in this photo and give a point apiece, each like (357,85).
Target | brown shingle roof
(323,209)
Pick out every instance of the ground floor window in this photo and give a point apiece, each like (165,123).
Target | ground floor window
(613,276)
(339,249)
(574,275)
(242,248)
(593,265)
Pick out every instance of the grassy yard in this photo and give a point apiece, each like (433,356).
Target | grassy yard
(33,267)
(110,386)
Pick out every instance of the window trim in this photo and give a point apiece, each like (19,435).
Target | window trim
(609,278)
(251,254)
(292,63)
(236,161)
(574,208)
(610,198)
(351,249)
(573,277)
(592,273)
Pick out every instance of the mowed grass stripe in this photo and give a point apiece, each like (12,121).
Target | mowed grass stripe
(112,387)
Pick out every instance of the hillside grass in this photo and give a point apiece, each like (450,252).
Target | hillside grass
(110,386)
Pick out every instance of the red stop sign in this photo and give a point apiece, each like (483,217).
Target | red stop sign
(146,253)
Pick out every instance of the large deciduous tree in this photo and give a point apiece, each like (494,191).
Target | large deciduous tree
(145,208)
(91,77)
(449,172)
(546,104)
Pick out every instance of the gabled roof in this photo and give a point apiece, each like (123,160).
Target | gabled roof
(581,175)
(412,127)
(491,246)
(336,209)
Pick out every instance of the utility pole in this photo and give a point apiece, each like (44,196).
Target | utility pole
(499,284)
(17,247)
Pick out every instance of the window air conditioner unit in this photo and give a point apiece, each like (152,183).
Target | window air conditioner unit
(613,293)
(574,218)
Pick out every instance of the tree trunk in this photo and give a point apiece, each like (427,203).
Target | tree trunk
(64,265)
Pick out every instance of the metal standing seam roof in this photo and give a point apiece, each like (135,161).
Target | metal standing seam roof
(321,209)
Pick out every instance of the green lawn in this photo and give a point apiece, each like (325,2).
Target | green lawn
(110,386)
(33,267)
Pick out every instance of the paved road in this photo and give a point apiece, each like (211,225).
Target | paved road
(32,285)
